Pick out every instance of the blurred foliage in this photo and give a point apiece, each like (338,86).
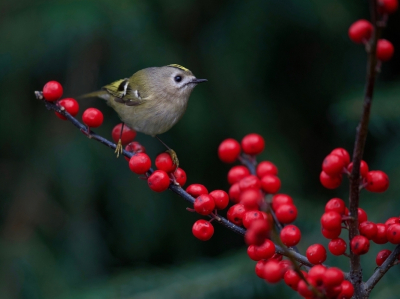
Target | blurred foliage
(75,222)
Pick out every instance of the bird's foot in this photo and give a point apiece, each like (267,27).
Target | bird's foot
(118,149)
(174,157)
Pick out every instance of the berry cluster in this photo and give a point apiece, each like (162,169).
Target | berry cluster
(338,163)
(360,32)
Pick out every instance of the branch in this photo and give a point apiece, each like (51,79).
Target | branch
(174,188)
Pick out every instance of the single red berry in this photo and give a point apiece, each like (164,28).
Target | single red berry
(250,216)
(362,215)
(266,167)
(92,117)
(127,134)
(388,6)
(281,199)
(286,213)
(317,273)
(316,254)
(140,163)
(285,266)
(235,214)
(368,229)
(234,193)
(337,246)
(229,150)
(341,152)
(253,144)
(380,237)
(384,50)
(359,245)
(330,182)
(270,183)
(260,268)
(257,232)
(164,162)
(249,182)
(236,173)
(278,257)
(392,220)
(347,290)
(202,229)
(221,199)
(196,190)
(204,204)
(331,220)
(333,277)
(360,31)
(180,176)
(331,234)
(382,256)
(336,205)
(333,165)
(305,289)
(377,181)
(333,292)
(393,233)
(292,279)
(251,199)
(266,250)
(363,168)
(290,235)
(158,181)
(52,91)
(134,147)
(70,105)
(272,271)
(251,252)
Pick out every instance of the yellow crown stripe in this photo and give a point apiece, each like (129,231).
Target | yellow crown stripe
(179,67)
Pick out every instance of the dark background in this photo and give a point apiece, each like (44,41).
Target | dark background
(76,223)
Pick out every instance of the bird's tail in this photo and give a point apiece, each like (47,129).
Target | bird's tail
(96,94)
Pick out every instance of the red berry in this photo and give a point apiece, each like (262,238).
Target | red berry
(249,182)
(158,181)
(260,268)
(92,117)
(333,277)
(270,183)
(285,266)
(292,279)
(330,182)
(202,229)
(266,167)
(134,147)
(266,250)
(336,205)
(337,246)
(229,150)
(363,168)
(316,254)
(251,199)
(317,273)
(368,229)
(52,91)
(280,199)
(196,190)
(257,232)
(359,245)
(253,144)
(360,31)
(377,181)
(127,134)
(234,193)
(347,290)
(331,234)
(382,256)
(388,6)
(380,237)
(304,289)
(204,204)
(333,165)
(70,105)
(286,213)
(341,152)
(392,220)
(362,215)
(164,162)
(235,214)
(331,220)
(272,271)
(290,235)
(140,163)
(384,50)
(236,173)
(180,176)
(278,257)
(393,233)
(251,252)
(221,199)
(250,216)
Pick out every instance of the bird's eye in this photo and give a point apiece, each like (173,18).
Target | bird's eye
(178,78)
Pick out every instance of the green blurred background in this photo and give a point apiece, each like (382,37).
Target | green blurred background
(76,223)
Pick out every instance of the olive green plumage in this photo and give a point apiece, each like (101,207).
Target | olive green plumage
(152,100)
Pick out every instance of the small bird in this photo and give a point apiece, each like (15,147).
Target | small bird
(152,100)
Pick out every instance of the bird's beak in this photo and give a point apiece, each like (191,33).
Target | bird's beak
(197,81)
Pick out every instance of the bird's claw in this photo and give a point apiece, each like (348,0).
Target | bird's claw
(174,157)
(118,149)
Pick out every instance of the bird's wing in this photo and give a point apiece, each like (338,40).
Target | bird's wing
(123,93)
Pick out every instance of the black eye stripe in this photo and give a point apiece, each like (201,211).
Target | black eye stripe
(178,78)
